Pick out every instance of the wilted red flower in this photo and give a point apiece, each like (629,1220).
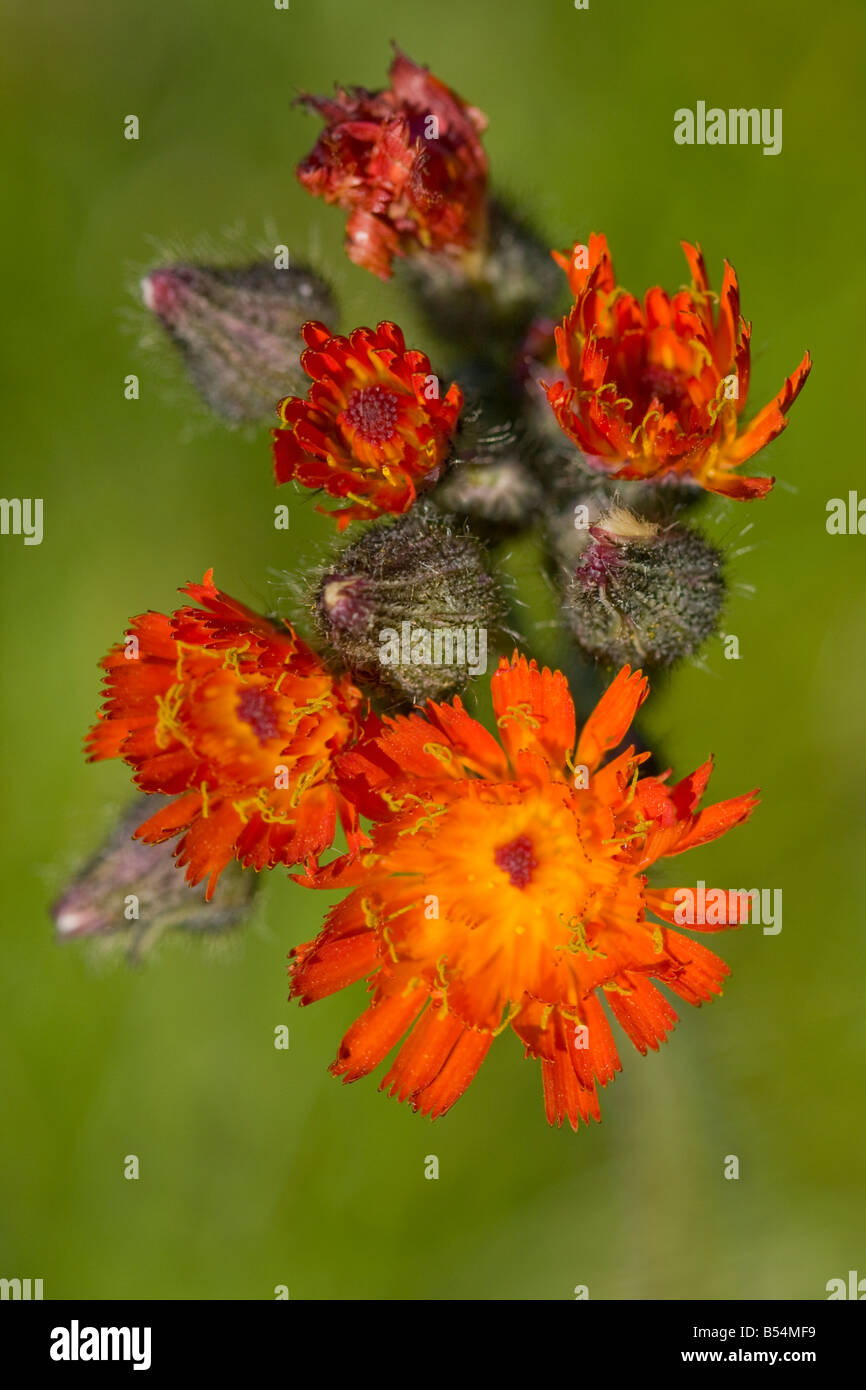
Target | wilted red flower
(506,885)
(408,164)
(238,720)
(373,429)
(656,390)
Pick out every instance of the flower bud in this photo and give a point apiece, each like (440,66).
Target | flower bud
(132,892)
(495,493)
(488,482)
(238,330)
(569,517)
(409,607)
(643,593)
(571,511)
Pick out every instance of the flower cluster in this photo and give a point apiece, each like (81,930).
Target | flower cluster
(495,877)
(503,882)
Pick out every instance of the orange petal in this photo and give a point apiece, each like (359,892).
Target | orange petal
(687,793)
(534,710)
(333,965)
(737,488)
(209,844)
(169,820)
(453,1078)
(532,1024)
(716,820)
(564,1096)
(697,974)
(476,748)
(663,903)
(697,266)
(729,316)
(372,1036)
(642,1011)
(423,1054)
(770,421)
(600,1059)
(611,719)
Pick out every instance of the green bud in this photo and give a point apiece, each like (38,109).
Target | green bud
(488,482)
(409,607)
(643,593)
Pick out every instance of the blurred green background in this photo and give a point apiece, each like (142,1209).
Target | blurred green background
(257,1168)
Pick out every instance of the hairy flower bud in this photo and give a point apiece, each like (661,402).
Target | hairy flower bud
(238,330)
(643,593)
(495,492)
(410,606)
(569,517)
(132,892)
(571,510)
(488,481)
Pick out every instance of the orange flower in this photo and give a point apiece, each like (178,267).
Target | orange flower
(239,720)
(408,164)
(373,428)
(506,885)
(656,391)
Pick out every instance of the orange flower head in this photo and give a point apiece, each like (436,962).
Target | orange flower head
(373,429)
(506,884)
(238,720)
(408,164)
(656,391)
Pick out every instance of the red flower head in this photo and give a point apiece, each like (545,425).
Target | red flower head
(408,164)
(238,720)
(506,885)
(656,390)
(373,428)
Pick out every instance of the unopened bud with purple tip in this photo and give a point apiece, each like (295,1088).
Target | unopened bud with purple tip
(643,593)
(408,607)
(130,892)
(239,330)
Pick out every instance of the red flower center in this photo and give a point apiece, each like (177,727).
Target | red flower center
(663,384)
(256,708)
(516,859)
(372,413)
